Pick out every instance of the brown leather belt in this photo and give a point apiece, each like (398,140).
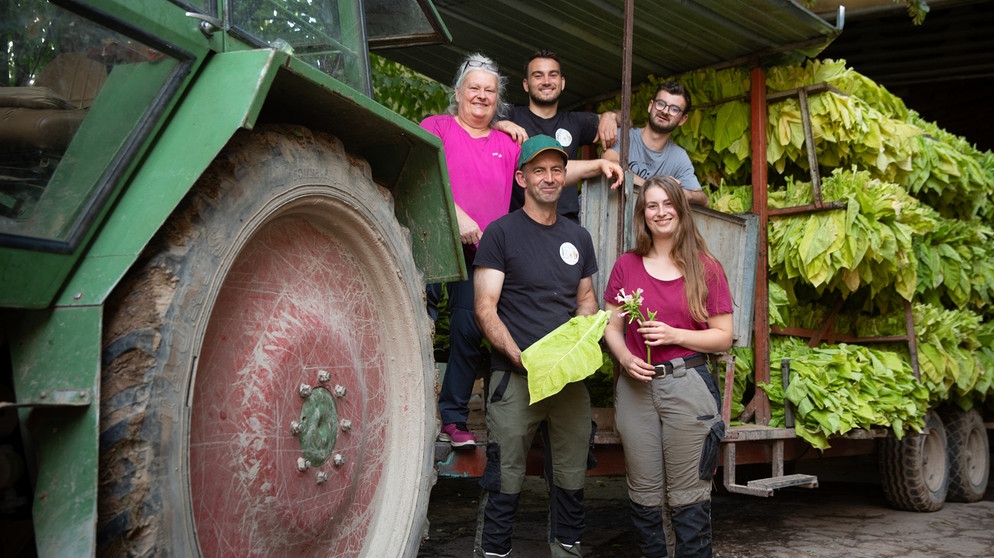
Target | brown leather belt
(678,366)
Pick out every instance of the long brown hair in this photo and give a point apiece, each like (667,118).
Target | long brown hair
(688,244)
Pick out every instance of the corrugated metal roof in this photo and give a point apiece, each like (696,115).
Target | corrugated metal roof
(670,37)
(942,68)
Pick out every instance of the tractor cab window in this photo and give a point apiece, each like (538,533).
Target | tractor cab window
(72,95)
(329,35)
(400,23)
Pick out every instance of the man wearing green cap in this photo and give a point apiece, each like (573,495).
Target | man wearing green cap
(532,273)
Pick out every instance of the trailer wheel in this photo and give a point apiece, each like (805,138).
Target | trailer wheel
(915,469)
(969,454)
(268,385)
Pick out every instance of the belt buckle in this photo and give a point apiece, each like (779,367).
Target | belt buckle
(663,369)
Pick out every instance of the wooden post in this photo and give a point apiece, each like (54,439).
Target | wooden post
(626,111)
(761,324)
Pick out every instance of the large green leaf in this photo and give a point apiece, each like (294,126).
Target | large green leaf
(734,117)
(567,354)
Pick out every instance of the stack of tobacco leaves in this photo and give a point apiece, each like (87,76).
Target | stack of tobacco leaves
(915,226)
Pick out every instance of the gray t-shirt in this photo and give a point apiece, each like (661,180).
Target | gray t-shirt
(672,160)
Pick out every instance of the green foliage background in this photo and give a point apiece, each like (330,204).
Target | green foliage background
(407,92)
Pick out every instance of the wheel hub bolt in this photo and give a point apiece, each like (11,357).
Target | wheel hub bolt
(303,464)
(340,391)
(305,390)
(324,376)
(321,477)
(346,425)
(296,427)
(339,460)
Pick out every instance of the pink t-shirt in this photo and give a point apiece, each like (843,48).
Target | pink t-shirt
(668,299)
(481,170)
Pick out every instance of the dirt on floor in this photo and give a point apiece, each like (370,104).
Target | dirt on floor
(840,518)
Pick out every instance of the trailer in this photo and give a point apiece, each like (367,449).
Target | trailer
(948,460)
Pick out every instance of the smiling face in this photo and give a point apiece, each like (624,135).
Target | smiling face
(661,121)
(543,178)
(662,214)
(544,81)
(477,97)
(661,218)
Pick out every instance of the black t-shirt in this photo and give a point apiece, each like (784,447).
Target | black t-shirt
(571,130)
(542,266)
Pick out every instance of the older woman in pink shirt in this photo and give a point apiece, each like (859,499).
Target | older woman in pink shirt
(481,162)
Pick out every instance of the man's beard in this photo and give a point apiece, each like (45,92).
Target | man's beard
(662,129)
(544,102)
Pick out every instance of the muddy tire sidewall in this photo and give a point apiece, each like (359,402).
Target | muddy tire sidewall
(914,470)
(158,318)
(969,454)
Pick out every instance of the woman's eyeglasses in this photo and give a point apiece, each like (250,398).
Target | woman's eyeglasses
(478,64)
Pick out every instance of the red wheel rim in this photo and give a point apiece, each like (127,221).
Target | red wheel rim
(296,301)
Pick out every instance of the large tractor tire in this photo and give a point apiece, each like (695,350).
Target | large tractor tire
(915,469)
(969,454)
(268,385)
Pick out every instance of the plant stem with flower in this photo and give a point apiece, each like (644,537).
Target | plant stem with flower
(631,306)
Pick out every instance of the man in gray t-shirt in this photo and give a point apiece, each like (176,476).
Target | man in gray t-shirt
(650,151)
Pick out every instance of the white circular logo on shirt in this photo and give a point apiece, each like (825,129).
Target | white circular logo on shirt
(564,137)
(569,253)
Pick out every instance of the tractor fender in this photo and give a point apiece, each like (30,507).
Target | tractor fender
(237,89)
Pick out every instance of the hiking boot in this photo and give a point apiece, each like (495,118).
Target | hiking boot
(457,434)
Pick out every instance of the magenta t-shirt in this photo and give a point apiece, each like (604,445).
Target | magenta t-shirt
(481,170)
(668,299)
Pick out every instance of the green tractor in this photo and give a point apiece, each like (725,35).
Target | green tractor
(213,246)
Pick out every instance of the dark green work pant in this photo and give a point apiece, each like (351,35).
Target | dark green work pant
(511,426)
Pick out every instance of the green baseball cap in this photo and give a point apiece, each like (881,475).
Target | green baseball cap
(537,144)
